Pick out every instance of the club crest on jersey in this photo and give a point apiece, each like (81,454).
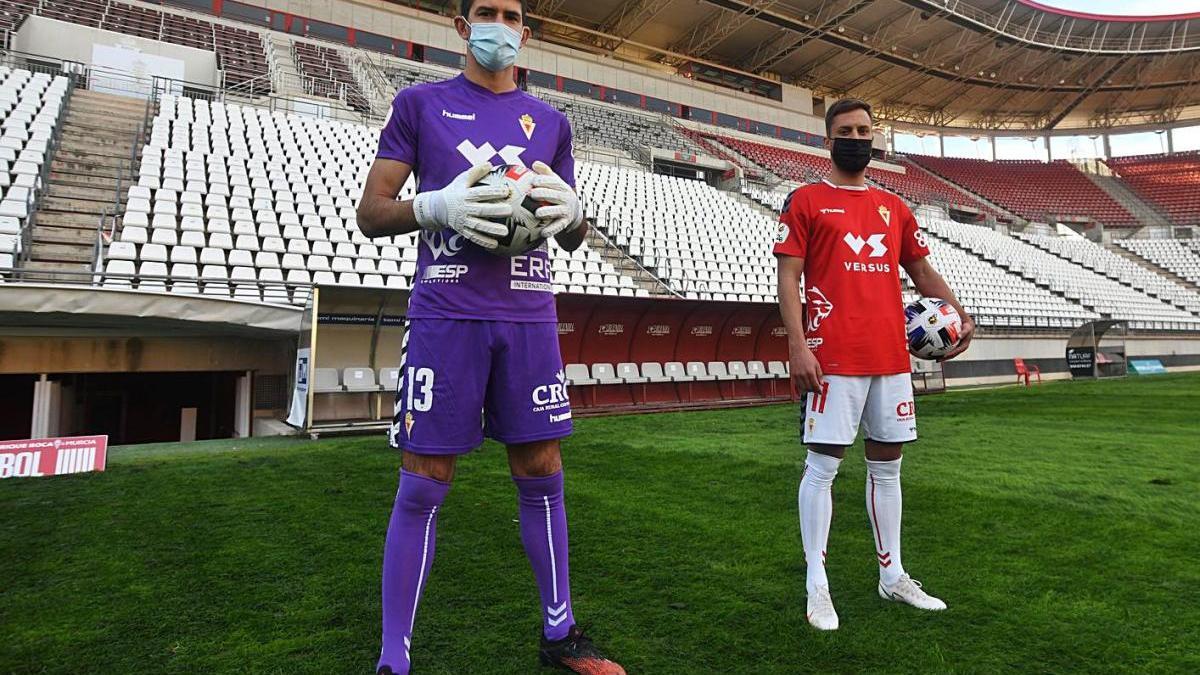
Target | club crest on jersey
(408,423)
(527,125)
(886,214)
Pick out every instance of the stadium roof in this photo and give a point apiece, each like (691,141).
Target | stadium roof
(1017,65)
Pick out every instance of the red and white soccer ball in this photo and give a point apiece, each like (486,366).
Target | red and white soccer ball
(522,224)
(933,328)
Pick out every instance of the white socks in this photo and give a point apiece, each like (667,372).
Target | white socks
(816,513)
(883,508)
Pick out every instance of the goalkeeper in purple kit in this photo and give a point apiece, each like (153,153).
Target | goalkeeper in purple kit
(482,333)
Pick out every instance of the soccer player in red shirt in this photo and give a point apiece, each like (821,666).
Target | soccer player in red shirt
(848,241)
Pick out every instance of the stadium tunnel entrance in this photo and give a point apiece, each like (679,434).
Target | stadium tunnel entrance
(149,407)
(16,400)
(140,367)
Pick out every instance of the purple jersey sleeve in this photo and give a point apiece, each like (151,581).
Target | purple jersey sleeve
(398,139)
(564,159)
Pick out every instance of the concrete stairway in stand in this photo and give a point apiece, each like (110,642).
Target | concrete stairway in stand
(96,156)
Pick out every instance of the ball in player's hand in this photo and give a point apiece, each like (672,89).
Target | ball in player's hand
(523,227)
(933,328)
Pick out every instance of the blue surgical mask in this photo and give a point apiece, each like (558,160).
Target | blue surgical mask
(494,45)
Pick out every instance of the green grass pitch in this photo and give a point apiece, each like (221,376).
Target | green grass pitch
(1061,524)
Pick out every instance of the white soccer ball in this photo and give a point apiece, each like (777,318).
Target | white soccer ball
(933,328)
(522,224)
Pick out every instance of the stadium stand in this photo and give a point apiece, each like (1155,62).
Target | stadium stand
(793,165)
(402,77)
(710,146)
(915,184)
(1169,254)
(31,107)
(613,127)
(1063,192)
(704,244)
(1094,291)
(327,75)
(995,296)
(771,199)
(1114,266)
(234,199)
(1170,182)
(241,53)
(13,11)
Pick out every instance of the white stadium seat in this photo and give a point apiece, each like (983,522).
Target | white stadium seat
(359,379)
(629,373)
(677,372)
(325,380)
(699,371)
(577,374)
(653,372)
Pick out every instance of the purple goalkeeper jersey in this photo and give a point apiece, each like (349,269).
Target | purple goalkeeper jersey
(442,129)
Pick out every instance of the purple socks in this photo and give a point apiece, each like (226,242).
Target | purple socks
(544,534)
(407,557)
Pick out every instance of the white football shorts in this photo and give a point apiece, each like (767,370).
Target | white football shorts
(883,404)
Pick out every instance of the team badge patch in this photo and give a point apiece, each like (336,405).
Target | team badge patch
(886,214)
(781,234)
(408,423)
(527,125)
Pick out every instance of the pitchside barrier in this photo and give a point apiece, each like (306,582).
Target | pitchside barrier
(41,457)
(619,355)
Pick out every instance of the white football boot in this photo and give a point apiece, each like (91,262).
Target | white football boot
(820,610)
(909,591)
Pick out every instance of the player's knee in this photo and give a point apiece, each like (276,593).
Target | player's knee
(884,452)
(534,460)
(437,467)
(838,451)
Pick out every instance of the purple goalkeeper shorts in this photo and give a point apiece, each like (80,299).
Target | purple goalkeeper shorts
(451,371)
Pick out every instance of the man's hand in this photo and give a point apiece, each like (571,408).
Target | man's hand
(463,207)
(964,339)
(563,212)
(806,372)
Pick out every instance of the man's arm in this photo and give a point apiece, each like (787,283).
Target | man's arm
(806,372)
(379,214)
(930,284)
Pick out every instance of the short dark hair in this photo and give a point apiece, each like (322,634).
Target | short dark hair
(844,106)
(465,8)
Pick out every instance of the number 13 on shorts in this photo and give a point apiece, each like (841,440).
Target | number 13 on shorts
(418,386)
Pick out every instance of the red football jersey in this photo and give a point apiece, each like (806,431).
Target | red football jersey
(852,240)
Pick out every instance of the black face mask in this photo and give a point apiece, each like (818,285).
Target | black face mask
(851,155)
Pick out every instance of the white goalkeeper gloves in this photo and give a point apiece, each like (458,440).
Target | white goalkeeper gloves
(464,208)
(563,212)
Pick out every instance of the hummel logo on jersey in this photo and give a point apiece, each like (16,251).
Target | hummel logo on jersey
(825,211)
(556,615)
(464,117)
(875,241)
(511,154)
